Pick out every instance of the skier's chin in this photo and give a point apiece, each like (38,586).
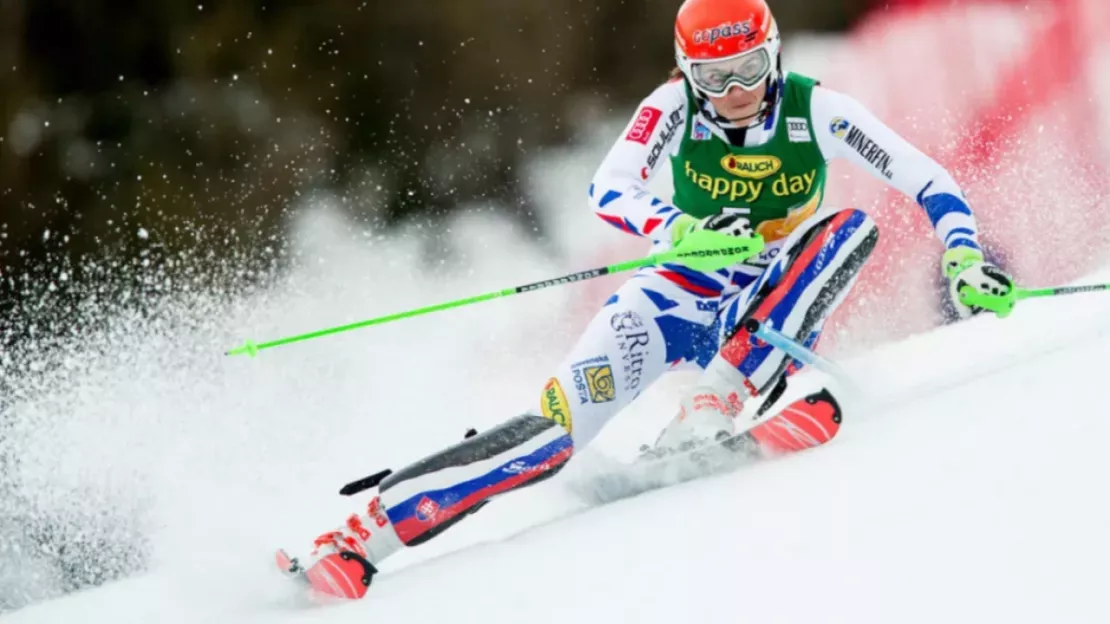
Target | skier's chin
(742,114)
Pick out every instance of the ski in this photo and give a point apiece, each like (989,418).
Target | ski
(806,422)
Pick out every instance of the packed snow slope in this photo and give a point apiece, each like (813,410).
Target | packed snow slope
(967,485)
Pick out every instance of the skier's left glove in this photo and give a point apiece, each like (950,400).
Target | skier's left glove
(975,285)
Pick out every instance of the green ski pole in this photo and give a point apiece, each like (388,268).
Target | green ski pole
(1003,305)
(702,250)
(1027,293)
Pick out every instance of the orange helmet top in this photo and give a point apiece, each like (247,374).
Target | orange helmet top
(724,43)
(706,30)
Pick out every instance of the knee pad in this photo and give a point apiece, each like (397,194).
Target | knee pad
(433,494)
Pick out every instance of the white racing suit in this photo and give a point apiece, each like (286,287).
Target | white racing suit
(682,317)
(661,318)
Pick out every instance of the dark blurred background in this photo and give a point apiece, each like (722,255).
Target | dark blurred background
(178,127)
(152,146)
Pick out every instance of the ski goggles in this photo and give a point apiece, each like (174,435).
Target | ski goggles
(747,70)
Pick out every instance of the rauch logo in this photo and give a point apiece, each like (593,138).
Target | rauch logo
(755,167)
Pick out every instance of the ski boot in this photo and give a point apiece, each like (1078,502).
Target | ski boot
(343,562)
(705,416)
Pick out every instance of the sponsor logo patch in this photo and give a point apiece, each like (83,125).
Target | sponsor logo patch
(700,132)
(664,137)
(644,125)
(727,30)
(871,152)
(875,155)
(580,386)
(753,167)
(601,359)
(554,404)
(599,381)
(426,509)
(633,340)
(797,129)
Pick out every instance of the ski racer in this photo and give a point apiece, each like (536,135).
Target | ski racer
(747,146)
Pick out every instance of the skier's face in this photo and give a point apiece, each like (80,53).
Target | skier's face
(739,104)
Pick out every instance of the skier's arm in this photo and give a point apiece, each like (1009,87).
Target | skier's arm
(846,129)
(618,192)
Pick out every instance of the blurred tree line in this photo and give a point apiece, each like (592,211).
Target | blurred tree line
(126,123)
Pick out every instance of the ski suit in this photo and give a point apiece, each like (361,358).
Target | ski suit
(669,316)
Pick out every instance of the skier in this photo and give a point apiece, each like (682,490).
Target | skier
(748,147)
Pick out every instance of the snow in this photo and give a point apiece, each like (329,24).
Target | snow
(966,485)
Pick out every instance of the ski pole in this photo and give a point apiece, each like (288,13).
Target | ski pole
(701,250)
(1003,305)
(791,347)
(803,354)
(1027,293)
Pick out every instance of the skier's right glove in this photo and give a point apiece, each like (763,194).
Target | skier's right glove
(726,223)
(975,285)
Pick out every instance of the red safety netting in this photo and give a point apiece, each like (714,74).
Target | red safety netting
(1006,96)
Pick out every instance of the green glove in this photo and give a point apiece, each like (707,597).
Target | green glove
(956,259)
(731,223)
(970,276)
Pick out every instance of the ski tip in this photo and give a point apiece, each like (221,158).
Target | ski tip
(285,563)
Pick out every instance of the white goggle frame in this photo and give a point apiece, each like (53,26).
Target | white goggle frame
(747,70)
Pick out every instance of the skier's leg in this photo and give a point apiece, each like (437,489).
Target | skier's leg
(430,496)
(657,318)
(661,317)
(426,498)
(795,294)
